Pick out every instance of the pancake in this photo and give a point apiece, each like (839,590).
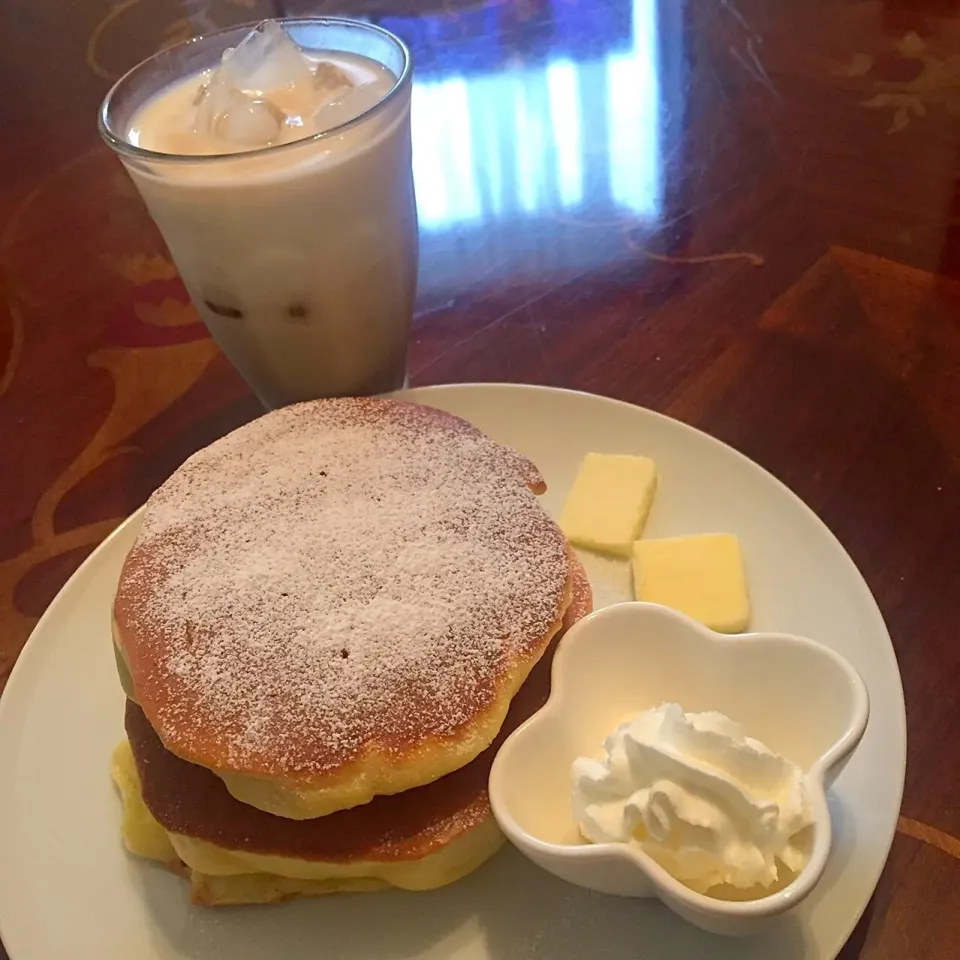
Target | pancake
(250,888)
(183,815)
(338,601)
(220,877)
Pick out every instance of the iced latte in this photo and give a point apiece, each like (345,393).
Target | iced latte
(276,163)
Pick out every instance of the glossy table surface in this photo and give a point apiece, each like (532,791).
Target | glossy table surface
(743,214)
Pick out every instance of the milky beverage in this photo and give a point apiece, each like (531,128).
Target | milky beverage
(302,257)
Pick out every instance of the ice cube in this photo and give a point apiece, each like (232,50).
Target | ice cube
(266,61)
(348,105)
(250,122)
(229,114)
(212,100)
(262,86)
(330,82)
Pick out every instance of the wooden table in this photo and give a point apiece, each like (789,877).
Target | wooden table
(743,214)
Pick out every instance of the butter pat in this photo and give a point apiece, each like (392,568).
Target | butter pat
(609,502)
(701,576)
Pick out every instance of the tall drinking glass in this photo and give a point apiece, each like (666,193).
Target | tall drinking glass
(300,257)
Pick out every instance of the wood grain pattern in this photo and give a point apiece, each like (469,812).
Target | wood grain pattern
(743,214)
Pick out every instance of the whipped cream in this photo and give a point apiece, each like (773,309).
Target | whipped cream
(711,805)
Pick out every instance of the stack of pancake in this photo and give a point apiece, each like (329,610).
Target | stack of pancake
(329,621)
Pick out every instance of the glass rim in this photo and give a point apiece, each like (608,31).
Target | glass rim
(125,148)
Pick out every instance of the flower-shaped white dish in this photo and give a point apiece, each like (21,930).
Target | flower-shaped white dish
(798,697)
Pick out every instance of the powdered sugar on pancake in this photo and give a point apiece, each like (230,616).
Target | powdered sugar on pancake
(336,574)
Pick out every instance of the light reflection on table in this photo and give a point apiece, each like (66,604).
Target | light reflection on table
(525,139)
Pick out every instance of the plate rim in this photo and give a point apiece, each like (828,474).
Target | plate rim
(421,394)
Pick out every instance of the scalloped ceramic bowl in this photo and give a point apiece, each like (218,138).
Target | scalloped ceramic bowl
(800,698)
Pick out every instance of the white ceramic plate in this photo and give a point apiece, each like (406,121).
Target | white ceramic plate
(69,892)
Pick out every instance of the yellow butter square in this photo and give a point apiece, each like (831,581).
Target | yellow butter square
(702,576)
(608,504)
